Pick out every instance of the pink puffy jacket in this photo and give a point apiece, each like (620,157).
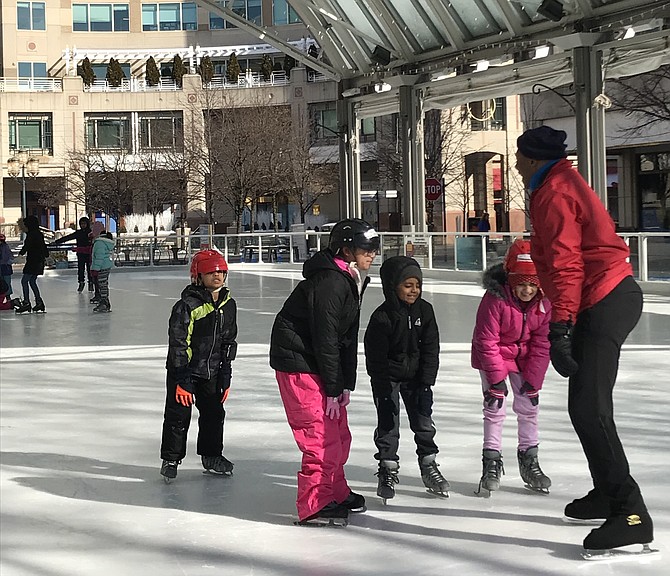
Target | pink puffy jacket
(506,338)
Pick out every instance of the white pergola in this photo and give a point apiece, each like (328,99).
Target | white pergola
(409,56)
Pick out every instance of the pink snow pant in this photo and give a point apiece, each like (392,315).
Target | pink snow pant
(494,417)
(324,443)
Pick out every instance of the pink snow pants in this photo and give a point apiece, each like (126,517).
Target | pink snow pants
(324,443)
(526,415)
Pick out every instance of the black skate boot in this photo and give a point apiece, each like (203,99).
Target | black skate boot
(388,477)
(23,307)
(594,507)
(531,473)
(431,476)
(95,300)
(355,503)
(39,306)
(617,531)
(103,306)
(217,465)
(169,470)
(492,470)
(80,288)
(332,514)
(91,287)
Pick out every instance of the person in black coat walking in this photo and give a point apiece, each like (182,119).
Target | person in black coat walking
(313,350)
(83,249)
(402,347)
(36,254)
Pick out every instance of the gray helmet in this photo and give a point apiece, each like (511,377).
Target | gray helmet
(353,233)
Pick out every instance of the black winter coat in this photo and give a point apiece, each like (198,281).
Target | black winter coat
(36,252)
(201,336)
(316,331)
(402,342)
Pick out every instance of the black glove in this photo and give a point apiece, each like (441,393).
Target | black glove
(496,393)
(560,336)
(533,395)
(224,376)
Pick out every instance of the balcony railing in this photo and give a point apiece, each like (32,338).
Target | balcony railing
(313,76)
(31,85)
(249,80)
(133,85)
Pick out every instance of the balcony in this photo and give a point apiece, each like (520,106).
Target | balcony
(249,80)
(31,85)
(133,85)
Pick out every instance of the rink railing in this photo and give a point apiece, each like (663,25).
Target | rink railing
(474,251)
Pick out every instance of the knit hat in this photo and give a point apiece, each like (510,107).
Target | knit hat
(410,271)
(96,229)
(519,265)
(543,143)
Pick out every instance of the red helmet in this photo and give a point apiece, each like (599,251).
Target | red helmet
(207,261)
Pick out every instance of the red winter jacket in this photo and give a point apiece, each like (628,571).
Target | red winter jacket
(508,339)
(579,257)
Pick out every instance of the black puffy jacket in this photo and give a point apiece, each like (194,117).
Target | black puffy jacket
(201,335)
(316,331)
(34,247)
(402,342)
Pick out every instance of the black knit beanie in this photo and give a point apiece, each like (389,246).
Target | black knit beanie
(543,143)
(410,271)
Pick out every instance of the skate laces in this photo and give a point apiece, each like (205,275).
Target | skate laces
(532,466)
(493,467)
(433,473)
(387,476)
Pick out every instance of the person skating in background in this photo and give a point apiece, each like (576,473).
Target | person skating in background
(510,343)
(402,348)
(83,250)
(202,344)
(584,269)
(313,349)
(6,261)
(36,253)
(101,265)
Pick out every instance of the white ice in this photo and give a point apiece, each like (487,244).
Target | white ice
(81,402)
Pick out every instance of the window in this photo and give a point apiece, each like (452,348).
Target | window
(31,16)
(100,70)
(100,18)
(282,13)
(488,114)
(216,22)
(367,132)
(33,70)
(324,117)
(108,132)
(31,132)
(169,17)
(161,131)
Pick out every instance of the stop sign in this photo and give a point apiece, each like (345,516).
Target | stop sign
(433,189)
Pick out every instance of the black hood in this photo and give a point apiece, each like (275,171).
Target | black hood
(202,294)
(494,280)
(391,273)
(322,260)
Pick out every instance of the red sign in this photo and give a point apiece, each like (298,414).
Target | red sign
(433,189)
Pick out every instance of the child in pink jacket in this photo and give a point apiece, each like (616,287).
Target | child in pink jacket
(510,343)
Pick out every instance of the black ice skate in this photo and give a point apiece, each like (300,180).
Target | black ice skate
(355,503)
(169,470)
(492,470)
(103,306)
(80,288)
(432,478)
(618,531)
(590,509)
(217,465)
(531,473)
(39,307)
(91,287)
(22,307)
(388,478)
(332,514)
(95,299)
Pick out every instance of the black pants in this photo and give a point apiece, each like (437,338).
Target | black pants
(83,267)
(418,401)
(599,333)
(177,419)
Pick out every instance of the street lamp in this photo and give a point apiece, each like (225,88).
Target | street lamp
(17,166)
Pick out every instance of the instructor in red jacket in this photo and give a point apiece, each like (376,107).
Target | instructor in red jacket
(584,270)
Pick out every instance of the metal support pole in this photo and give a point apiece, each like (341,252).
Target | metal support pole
(350,175)
(24,200)
(407,203)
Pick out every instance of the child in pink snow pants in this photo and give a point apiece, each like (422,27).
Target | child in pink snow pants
(510,343)
(313,349)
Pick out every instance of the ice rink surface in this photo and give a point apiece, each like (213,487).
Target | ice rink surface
(81,402)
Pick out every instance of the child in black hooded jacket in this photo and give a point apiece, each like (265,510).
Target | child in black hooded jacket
(402,346)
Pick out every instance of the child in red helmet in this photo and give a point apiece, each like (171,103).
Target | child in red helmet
(6,260)
(510,343)
(201,334)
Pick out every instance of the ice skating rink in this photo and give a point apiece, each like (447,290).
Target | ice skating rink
(81,401)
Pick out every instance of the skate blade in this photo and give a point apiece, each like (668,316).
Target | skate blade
(484,492)
(620,554)
(219,474)
(167,480)
(323,523)
(536,490)
(438,493)
(580,522)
